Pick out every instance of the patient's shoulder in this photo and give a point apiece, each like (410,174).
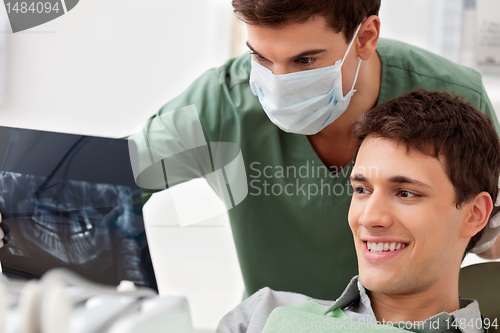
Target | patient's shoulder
(251,315)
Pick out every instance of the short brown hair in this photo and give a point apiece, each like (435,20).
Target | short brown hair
(341,15)
(441,125)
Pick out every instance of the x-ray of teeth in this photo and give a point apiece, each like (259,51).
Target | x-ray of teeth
(64,213)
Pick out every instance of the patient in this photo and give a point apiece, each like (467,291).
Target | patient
(424,181)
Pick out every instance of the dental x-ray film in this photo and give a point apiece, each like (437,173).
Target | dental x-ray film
(71,201)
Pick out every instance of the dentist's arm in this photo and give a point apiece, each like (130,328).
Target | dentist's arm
(488,246)
(493,252)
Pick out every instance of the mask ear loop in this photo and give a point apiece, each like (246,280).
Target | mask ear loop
(356,76)
(350,44)
(359,61)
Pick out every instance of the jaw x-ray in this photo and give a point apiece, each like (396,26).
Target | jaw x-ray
(71,201)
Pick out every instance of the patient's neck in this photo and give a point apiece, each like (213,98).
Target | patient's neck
(417,306)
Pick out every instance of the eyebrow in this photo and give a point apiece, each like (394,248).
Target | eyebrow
(407,180)
(300,55)
(394,180)
(357,178)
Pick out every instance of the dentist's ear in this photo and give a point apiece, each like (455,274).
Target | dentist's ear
(480,209)
(368,37)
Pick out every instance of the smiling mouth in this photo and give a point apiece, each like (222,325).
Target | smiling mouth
(383,247)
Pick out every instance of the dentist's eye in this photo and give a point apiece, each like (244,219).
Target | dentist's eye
(305,61)
(258,56)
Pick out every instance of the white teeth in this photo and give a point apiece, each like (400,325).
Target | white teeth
(384,247)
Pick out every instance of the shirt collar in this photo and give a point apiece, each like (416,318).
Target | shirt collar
(356,298)
(352,294)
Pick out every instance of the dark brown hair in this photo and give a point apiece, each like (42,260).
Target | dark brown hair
(441,125)
(341,15)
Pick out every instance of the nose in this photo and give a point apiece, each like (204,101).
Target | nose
(376,212)
(280,69)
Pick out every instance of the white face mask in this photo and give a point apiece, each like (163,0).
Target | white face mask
(302,102)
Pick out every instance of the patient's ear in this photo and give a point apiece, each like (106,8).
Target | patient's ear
(479,208)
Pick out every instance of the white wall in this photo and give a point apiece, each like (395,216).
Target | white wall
(107,65)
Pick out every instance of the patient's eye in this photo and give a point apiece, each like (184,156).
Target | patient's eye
(407,194)
(361,190)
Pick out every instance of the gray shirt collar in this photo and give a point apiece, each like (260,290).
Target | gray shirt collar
(356,304)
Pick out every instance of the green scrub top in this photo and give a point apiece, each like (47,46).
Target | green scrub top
(291,231)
